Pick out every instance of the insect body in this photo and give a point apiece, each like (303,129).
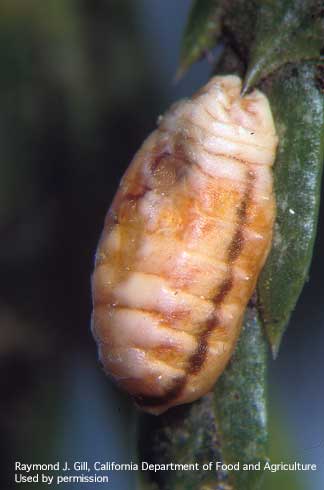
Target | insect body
(183,243)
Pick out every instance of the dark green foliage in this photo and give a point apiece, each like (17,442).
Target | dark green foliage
(201,33)
(184,434)
(240,401)
(298,108)
(287,31)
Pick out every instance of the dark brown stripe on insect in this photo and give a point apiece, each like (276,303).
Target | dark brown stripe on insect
(197,360)
(236,244)
(155,401)
(224,289)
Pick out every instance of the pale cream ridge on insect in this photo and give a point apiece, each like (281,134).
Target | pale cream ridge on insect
(183,244)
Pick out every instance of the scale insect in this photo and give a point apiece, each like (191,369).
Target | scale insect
(183,244)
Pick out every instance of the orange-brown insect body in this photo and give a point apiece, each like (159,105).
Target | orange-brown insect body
(183,243)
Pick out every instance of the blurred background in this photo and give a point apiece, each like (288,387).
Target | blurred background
(81,85)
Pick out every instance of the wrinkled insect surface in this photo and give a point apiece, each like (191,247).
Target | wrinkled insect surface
(183,244)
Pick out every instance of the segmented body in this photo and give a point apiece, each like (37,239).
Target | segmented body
(183,243)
